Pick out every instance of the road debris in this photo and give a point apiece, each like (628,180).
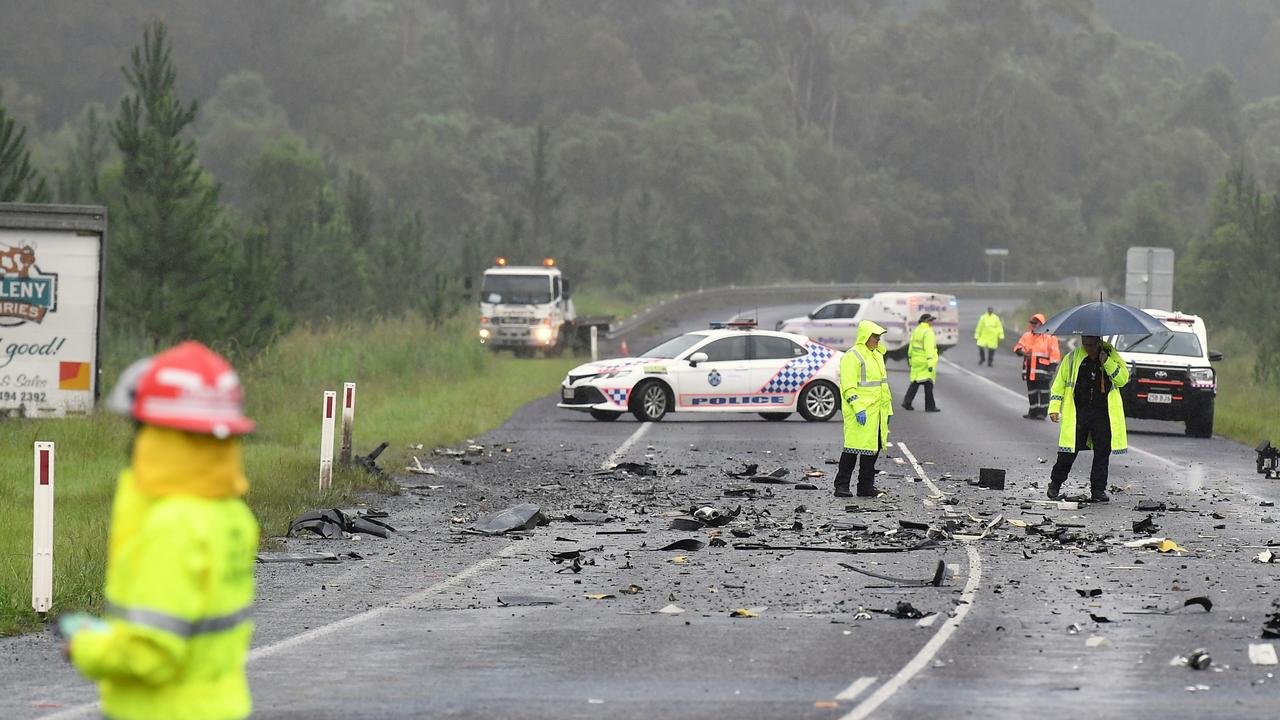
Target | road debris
(687,545)
(370,462)
(1271,626)
(1198,659)
(1145,526)
(331,524)
(601,596)
(934,581)
(670,610)
(524,601)
(525,516)
(744,613)
(417,468)
(991,478)
(1262,654)
(902,611)
(306,558)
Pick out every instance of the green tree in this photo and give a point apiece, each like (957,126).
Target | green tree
(19,182)
(172,263)
(79,178)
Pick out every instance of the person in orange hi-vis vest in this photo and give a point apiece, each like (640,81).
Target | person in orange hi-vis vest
(1040,357)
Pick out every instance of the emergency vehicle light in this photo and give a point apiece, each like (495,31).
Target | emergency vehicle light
(501,262)
(735,325)
(549,262)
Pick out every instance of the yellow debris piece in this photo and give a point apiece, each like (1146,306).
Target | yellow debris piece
(1170,546)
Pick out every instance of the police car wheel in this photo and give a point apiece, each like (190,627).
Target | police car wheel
(775,417)
(650,401)
(818,401)
(605,415)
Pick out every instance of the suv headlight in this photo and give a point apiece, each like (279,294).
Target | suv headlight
(1202,378)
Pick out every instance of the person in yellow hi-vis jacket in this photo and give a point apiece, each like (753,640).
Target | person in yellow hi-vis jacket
(180,559)
(866,405)
(922,358)
(1086,398)
(988,334)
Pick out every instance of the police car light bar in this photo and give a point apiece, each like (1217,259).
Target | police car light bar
(549,262)
(500,262)
(735,325)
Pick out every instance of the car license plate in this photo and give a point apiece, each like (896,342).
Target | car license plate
(1159,398)
(567,393)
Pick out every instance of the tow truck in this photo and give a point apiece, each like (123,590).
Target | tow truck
(529,308)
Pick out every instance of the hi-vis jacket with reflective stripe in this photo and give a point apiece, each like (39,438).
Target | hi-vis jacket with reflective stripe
(922,354)
(864,387)
(1039,354)
(1062,398)
(989,332)
(179,589)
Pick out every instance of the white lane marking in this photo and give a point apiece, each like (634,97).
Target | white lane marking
(855,689)
(930,649)
(372,613)
(624,447)
(920,470)
(1138,450)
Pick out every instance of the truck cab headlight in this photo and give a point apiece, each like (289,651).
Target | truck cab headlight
(542,334)
(485,333)
(1202,378)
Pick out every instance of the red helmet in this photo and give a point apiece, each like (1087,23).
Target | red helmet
(188,387)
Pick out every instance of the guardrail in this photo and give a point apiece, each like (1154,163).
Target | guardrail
(817,292)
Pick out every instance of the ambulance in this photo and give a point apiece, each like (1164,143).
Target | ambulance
(835,322)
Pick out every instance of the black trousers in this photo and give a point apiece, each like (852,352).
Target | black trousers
(866,470)
(1038,397)
(928,394)
(1099,431)
(987,356)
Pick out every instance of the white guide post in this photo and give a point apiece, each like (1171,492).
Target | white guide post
(348,420)
(328,412)
(42,535)
(595,343)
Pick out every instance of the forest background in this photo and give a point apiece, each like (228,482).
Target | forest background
(296,161)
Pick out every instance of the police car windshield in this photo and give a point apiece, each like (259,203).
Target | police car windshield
(673,347)
(517,289)
(1183,344)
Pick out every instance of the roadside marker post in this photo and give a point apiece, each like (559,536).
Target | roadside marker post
(42,530)
(326,439)
(595,343)
(348,421)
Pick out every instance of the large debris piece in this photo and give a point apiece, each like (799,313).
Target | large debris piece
(332,523)
(525,516)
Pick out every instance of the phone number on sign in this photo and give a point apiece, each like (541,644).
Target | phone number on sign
(9,396)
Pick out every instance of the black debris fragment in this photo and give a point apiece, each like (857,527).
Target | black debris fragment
(524,601)
(747,470)
(991,478)
(687,545)
(1149,506)
(903,611)
(370,462)
(715,517)
(938,574)
(686,523)
(635,468)
(525,516)
(588,517)
(1271,626)
(1095,592)
(1145,526)
(332,523)
(306,558)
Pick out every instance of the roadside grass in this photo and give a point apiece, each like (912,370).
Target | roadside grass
(1245,408)
(621,302)
(414,384)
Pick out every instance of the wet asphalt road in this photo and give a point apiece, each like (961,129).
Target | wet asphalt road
(414,628)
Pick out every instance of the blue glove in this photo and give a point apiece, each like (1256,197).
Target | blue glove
(72,623)
(861,417)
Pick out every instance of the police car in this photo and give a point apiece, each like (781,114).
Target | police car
(732,367)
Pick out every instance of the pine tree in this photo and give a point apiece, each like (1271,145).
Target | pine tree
(172,262)
(19,182)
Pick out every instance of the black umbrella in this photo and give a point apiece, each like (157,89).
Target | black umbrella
(1102,318)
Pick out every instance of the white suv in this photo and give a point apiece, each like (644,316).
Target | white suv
(1170,376)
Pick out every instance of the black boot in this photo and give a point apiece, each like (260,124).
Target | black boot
(1055,489)
(842,489)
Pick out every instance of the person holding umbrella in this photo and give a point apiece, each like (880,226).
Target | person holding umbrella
(1085,396)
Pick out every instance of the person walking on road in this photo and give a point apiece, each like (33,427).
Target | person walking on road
(181,550)
(866,405)
(1040,356)
(988,334)
(922,357)
(1086,397)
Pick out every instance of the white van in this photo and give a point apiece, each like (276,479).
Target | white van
(835,323)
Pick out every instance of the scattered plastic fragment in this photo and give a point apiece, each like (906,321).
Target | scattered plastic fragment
(991,478)
(307,558)
(1097,641)
(601,596)
(1145,526)
(670,610)
(686,524)
(1262,654)
(523,601)
(632,589)
(935,581)
(526,516)
(1266,556)
(687,545)
(370,462)
(903,611)
(1168,546)
(330,524)
(417,468)
(1095,592)
(747,470)
(744,613)
(1197,659)
(588,517)
(679,560)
